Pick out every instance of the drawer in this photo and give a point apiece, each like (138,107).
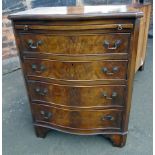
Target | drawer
(76,119)
(76,44)
(62,70)
(79,96)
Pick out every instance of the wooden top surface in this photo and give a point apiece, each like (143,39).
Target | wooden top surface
(76,12)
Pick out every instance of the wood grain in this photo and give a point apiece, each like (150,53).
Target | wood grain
(79,44)
(79,96)
(74,27)
(82,120)
(76,70)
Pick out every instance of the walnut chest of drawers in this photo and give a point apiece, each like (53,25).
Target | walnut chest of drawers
(79,64)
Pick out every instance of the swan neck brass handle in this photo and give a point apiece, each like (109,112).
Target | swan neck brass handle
(46,115)
(117,43)
(39,69)
(34,45)
(119,27)
(113,96)
(26,27)
(41,92)
(114,70)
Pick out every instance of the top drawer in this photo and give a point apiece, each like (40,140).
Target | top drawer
(76,44)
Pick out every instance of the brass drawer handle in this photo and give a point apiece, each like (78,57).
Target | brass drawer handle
(119,27)
(46,115)
(34,45)
(26,27)
(117,43)
(108,118)
(42,68)
(114,70)
(113,96)
(41,92)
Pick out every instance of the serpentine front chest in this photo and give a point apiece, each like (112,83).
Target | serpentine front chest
(79,64)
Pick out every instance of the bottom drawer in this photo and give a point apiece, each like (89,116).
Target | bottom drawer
(85,119)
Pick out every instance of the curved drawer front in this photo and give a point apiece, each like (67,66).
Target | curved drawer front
(76,119)
(94,70)
(76,44)
(92,96)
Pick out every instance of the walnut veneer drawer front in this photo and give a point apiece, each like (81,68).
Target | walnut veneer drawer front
(80,96)
(78,44)
(76,119)
(91,70)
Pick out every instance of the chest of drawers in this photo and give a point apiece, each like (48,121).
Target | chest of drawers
(79,64)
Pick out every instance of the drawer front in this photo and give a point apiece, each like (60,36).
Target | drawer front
(86,119)
(91,70)
(76,44)
(90,96)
